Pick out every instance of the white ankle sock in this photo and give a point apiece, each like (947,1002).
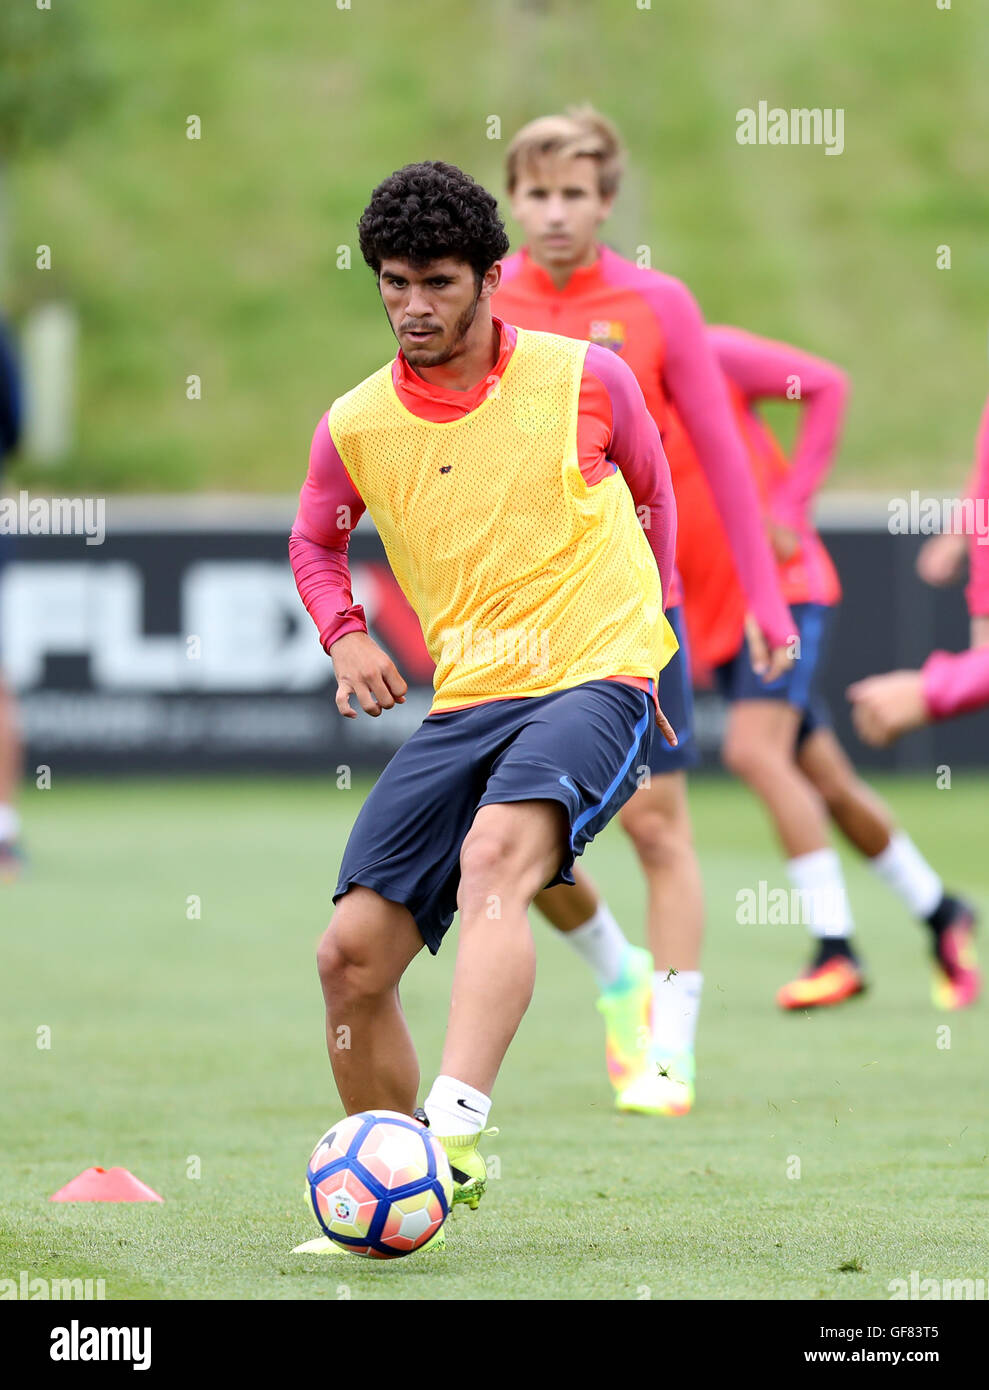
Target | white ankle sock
(453,1107)
(819,878)
(601,944)
(676,1003)
(902,867)
(10,823)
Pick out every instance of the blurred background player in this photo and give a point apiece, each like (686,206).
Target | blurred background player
(10,748)
(502,783)
(949,683)
(941,560)
(778,738)
(563,173)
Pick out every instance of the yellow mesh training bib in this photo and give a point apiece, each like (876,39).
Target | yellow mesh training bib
(525,579)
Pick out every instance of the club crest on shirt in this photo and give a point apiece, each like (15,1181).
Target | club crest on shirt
(607,333)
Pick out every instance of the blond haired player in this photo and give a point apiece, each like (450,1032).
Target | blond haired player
(563,173)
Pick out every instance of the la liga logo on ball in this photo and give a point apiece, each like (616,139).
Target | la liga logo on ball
(380,1184)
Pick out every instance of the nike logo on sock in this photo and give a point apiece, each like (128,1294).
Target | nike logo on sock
(472,1108)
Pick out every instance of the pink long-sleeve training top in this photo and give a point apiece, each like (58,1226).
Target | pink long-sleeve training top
(763,369)
(958,682)
(652,321)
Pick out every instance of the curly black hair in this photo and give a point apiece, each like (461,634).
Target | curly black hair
(427,211)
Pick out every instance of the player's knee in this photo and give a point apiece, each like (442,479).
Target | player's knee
(833,789)
(330,960)
(832,792)
(495,868)
(660,838)
(484,864)
(346,971)
(751,754)
(737,756)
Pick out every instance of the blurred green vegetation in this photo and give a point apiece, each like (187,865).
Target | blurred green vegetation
(218,257)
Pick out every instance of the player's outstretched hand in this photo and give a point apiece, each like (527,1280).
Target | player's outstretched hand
(884,707)
(364,670)
(941,560)
(770,665)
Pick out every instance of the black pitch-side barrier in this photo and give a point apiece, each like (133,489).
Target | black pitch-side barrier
(188,649)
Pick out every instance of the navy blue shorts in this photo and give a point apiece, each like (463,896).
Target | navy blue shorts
(585,748)
(800,685)
(676,700)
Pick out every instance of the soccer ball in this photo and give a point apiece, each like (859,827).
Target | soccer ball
(380,1184)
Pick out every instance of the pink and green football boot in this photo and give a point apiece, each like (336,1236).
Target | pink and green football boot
(957,978)
(666,1088)
(626,1008)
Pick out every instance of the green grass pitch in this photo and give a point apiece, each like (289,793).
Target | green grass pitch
(221,256)
(183,1045)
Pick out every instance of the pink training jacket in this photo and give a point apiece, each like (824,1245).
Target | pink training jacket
(760,369)
(977,592)
(958,682)
(652,321)
(764,370)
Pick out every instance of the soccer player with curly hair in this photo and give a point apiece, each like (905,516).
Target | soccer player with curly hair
(520,489)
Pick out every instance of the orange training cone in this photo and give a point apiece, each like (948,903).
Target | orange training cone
(105,1185)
